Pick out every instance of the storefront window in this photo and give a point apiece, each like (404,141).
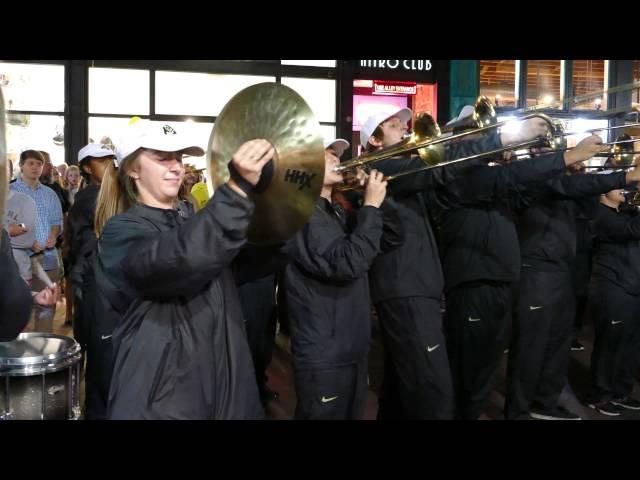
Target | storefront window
(498,80)
(589,77)
(544,78)
(32,87)
(636,78)
(581,125)
(311,63)
(328,132)
(185,93)
(111,130)
(35,132)
(320,94)
(118,91)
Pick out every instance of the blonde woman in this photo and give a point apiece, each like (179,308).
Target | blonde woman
(179,345)
(72,182)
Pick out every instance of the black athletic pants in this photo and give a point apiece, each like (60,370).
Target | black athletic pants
(258,307)
(541,342)
(417,378)
(476,324)
(616,316)
(331,393)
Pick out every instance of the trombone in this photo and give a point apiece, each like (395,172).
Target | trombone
(428,141)
(540,141)
(622,152)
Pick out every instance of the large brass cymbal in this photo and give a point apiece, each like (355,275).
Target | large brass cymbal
(278,114)
(3,157)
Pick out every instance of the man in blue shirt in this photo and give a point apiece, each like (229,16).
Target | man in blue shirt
(48,228)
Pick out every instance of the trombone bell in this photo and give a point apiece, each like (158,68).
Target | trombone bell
(426,129)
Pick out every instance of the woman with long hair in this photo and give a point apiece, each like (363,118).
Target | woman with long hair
(73,182)
(178,341)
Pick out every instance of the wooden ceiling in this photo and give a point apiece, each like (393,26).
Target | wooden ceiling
(588,75)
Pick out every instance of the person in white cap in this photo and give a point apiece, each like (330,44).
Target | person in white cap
(543,326)
(481,261)
(384,129)
(408,283)
(179,344)
(326,292)
(336,147)
(466,112)
(93,160)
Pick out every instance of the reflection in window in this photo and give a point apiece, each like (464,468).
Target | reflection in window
(35,132)
(319,94)
(184,93)
(588,77)
(311,63)
(582,125)
(106,129)
(498,81)
(32,87)
(543,83)
(118,91)
(328,132)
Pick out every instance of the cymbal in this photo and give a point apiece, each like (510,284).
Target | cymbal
(3,157)
(278,114)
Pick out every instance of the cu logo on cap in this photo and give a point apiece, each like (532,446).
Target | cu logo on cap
(168,130)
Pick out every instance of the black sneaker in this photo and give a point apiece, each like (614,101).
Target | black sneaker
(606,408)
(558,413)
(629,403)
(576,346)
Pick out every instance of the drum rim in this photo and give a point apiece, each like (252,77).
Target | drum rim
(33,370)
(39,360)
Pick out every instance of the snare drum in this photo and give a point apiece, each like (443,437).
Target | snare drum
(40,377)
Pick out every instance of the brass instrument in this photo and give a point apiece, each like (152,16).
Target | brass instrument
(428,141)
(622,152)
(484,114)
(295,175)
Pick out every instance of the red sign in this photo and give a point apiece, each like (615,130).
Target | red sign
(382,87)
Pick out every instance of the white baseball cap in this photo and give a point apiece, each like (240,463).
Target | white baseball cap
(373,121)
(466,111)
(339,145)
(94,150)
(161,137)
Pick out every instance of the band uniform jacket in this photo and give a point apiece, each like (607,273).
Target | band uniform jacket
(326,285)
(179,342)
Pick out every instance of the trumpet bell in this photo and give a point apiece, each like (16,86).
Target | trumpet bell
(278,114)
